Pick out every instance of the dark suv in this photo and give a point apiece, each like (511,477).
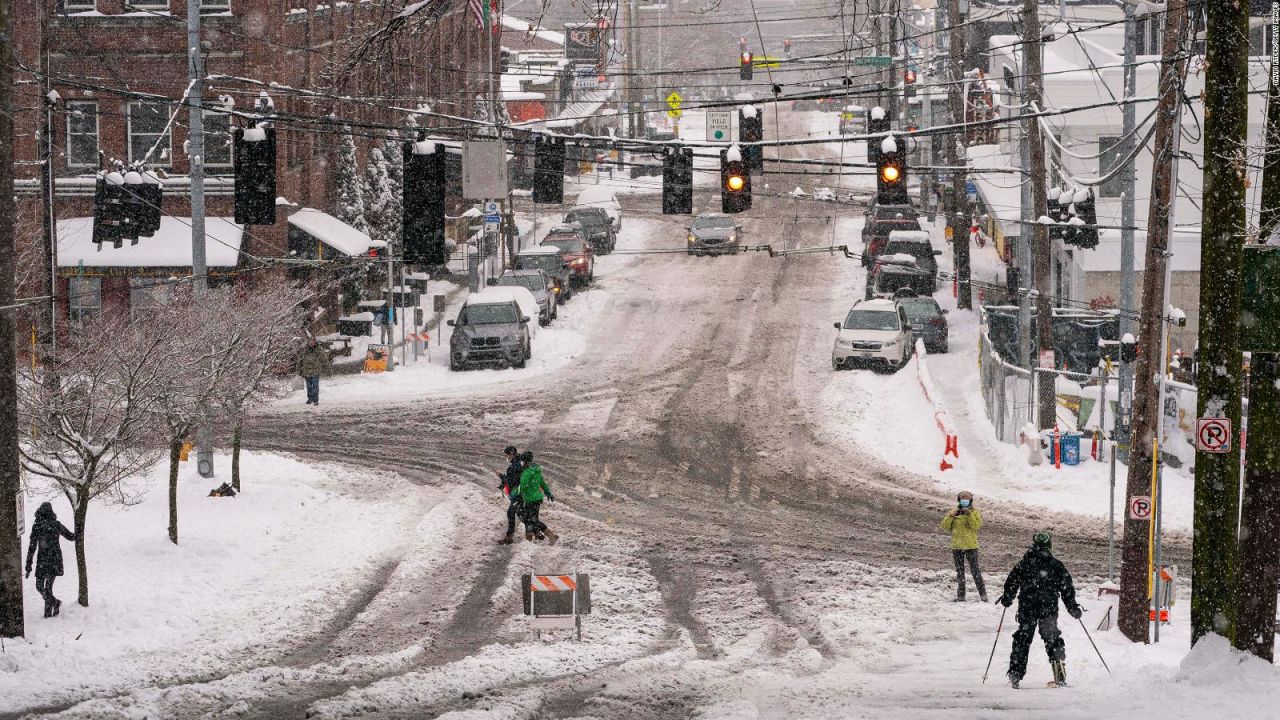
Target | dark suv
(597,225)
(489,331)
(880,221)
(550,260)
(577,251)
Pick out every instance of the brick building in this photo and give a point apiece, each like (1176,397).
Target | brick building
(121,71)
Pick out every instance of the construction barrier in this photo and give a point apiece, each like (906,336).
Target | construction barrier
(556,602)
(951,446)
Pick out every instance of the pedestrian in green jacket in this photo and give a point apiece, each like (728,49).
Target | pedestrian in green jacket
(532,490)
(963,522)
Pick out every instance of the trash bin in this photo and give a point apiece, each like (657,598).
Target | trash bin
(1071,448)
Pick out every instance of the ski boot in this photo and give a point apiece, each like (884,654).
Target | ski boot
(1059,673)
(1013,681)
(528,537)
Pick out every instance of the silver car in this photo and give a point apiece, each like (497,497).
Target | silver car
(542,287)
(714,233)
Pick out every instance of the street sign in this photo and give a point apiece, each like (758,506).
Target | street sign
(1140,507)
(876,60)
(1047,360)
(1213,434)
(491,207)
(437,303)
(484,169)
(674,100)
(719,125)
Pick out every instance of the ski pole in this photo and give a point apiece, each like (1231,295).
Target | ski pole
(996,642)
(1095,647)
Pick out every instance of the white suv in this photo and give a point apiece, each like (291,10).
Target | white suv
(874,331)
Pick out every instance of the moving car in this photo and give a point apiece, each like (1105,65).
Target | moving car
(713,233)
(578,253)
(602,197)
(880,220)
(538,283)
(598,226)
(894,273)
(875,331)
(928,320)
(492,329)
(550,260)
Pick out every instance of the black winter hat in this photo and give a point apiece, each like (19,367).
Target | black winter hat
(509,450)
(526,456)
(1042,540)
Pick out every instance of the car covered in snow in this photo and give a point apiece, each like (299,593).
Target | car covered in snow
(713,234)
(602,197)
(492,329)
(916,244)
(598,226)
(550,260)
(928,320)
(874,332)
(579,255)
(896,272)
(879,221)
(538,283)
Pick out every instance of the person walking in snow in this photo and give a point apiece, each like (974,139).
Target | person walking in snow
(1038,580)
(44,546)
(313,362)
(508,482)
(532,489)
(963,522)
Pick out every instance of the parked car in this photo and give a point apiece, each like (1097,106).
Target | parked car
(916,244)
(492,329)
(874,332)
(550,260)
(714,233)
(578,253)
(598,226)
(928,320)
(880,220)
(542,287)
(602,197)
(893,273)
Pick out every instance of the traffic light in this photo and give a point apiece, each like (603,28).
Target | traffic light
(786,48)
(909,83)
(877,127)
(891,173)
(548,169)
(1086,210)
(255,176)
(745,68)
(1128,348)
(735,181)
(422,200)
(1054,211)
(109,213)
(677,181)
(1011,281)
(751,130)
(149,199)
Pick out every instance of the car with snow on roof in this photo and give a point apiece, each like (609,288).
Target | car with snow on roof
(492,329)
(873,332)
(550,260)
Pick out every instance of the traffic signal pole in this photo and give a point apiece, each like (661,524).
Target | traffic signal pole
(195,154)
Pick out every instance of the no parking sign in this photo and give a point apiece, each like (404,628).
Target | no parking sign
(1140,507)
(1213,434)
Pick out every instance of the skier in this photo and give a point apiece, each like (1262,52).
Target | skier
(508,482)
(1037,581)
(44,538)
(963,522)
(313,362)
(532,489)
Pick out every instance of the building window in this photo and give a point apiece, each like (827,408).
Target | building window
(217,141)
(82,134)
(149,295)
(147,123)
(1110,157)
(75,6)
(146,6)
(211,7)
(84,300)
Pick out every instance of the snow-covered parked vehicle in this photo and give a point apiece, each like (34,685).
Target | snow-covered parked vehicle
(538,283)
(875,331)
(550,260)
(493,328)
(602,197)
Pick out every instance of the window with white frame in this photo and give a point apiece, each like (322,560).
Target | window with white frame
(82,134)
(217,141)
(209,7)
(149,295)
(84,299)
(147,123)
(146,5)
(75,6)
(1110,155)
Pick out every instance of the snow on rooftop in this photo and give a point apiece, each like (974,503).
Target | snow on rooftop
(542,250)
(169,247)
(524,26)
(331,231)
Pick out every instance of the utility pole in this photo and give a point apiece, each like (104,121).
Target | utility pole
(49,332)
(1134,592)
(877,39)
(195,153)
(958,211)
(11,619)
(1218,378)
(1046,400)
(637,109)
(1258,584)
(1128,214)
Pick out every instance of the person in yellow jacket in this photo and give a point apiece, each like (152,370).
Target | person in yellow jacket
(963,522)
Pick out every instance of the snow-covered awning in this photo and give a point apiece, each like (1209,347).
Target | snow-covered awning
(333,232)
(170,247)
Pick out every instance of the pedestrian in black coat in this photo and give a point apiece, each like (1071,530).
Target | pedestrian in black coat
(1038,580)
(43,546)
(508,481)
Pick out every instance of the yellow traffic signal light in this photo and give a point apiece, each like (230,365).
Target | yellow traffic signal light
(890,173)
(735,183)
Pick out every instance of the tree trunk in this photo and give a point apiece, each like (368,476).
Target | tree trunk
(82,565)
(175,455)
(1134,618)
(1217,484)
(1260,516)
(235,454)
